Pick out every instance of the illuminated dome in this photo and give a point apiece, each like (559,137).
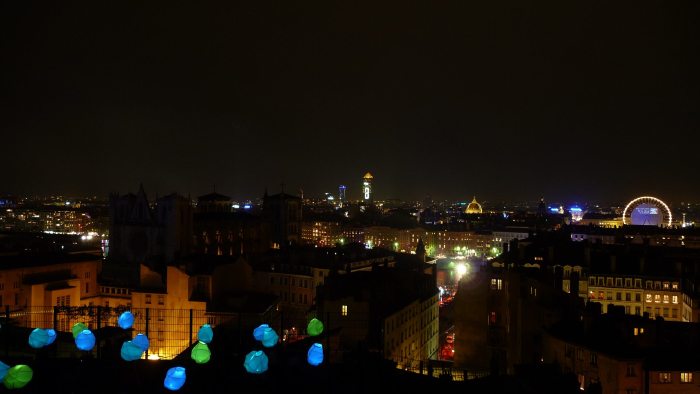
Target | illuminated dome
(473,207)
(368,176)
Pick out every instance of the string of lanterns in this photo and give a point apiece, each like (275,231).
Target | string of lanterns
(255,362)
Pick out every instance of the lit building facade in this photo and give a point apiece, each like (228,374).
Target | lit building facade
(322,233)
(639,295)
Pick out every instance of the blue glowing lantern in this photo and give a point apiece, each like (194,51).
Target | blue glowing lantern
(175,378)
(126,320)
(141,341)
(38,338)
(255,362)
(131,351)
(85,340)
(205,334)
(3,370)
(315,354)
(52,336)
(258,332)
(270,337)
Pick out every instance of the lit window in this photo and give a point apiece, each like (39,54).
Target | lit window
(674,286)
(664,377)
(648,297)
(492,318)
(657,298)
(666,286)
(686,377)
(665,298)
(675,299)
(344,310)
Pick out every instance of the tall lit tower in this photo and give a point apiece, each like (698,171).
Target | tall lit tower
(341,193)
(367,187)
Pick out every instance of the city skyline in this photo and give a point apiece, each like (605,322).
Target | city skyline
(566,101)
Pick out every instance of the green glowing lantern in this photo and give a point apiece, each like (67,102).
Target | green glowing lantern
(201,353)
(18,376)
(78,328)
(315,327)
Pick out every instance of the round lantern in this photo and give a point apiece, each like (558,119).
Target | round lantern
(175,378)
(205,334)
(131,351)
(255,362)
(315,327)
(78,328)
(258,332)
(52,336)
(3,370)
(18,376)
(141,341)
(201,353)
(315,354)
(85,340)
(38,338)
(270,337)
(126,320)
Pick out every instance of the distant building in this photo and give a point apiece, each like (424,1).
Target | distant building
(48,280)
(155,235)
(342,198)
(393,311)
(294,275)
(219,231)
(614,353)
(500,314)
(283,213)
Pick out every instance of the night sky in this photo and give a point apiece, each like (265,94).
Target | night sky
(595,100)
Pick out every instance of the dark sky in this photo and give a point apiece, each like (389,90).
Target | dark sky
(570,100)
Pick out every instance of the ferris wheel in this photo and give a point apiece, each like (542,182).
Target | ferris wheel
(647,210)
